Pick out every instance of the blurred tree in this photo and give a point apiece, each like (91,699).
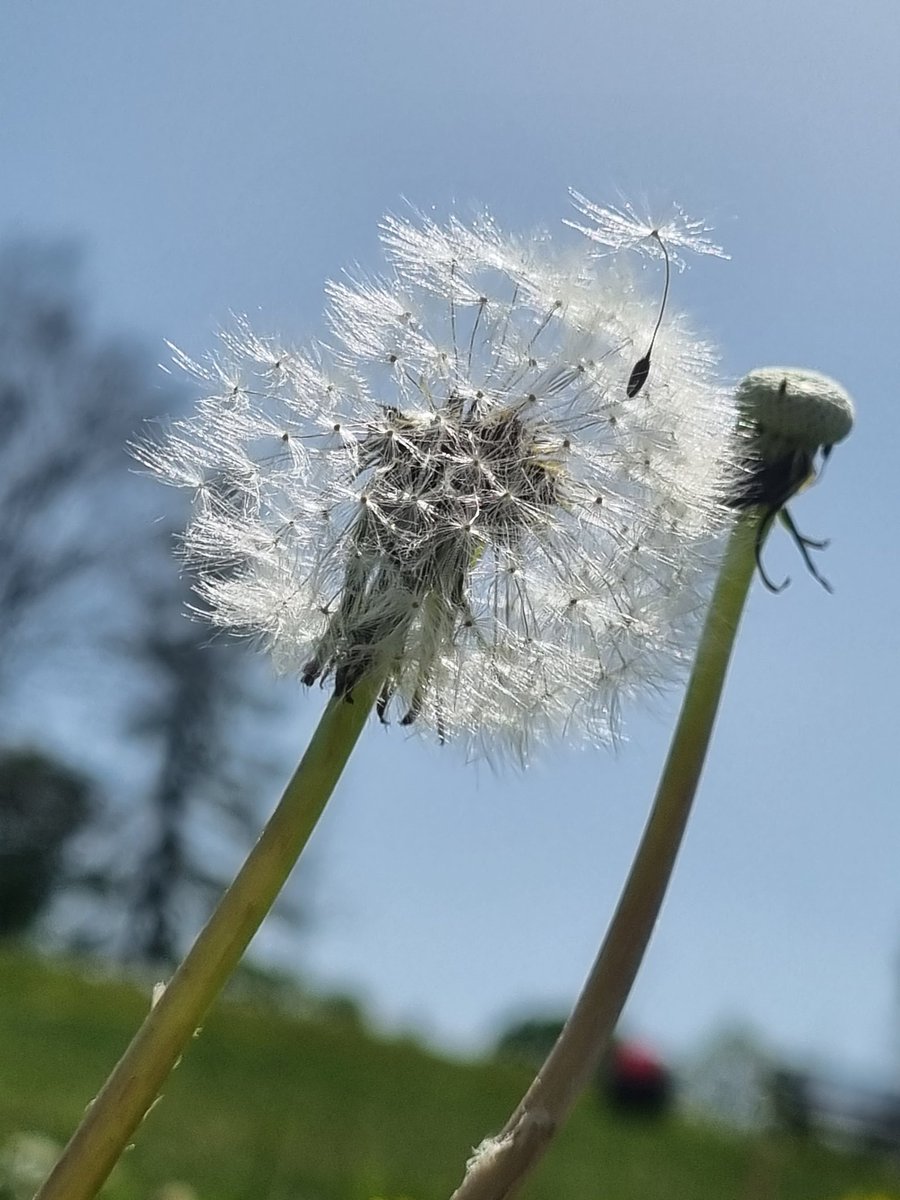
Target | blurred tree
(68,404)
(43,804)
(192,714)
(791,1100)
(727,1078)
(79,566)
(196,708)
(530,1041)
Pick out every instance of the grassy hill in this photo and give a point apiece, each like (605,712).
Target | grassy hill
(270,1107)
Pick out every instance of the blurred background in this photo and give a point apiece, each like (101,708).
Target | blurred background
(167,165)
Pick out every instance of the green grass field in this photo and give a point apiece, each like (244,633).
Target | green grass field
(269,1107)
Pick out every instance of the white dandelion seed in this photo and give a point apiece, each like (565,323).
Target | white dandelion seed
(459,493)
(624,229)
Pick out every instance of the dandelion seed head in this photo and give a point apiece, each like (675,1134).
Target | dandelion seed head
(454,490)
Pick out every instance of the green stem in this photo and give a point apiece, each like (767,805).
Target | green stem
(500,1166)
(112,1117)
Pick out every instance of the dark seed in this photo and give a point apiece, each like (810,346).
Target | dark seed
(639,374)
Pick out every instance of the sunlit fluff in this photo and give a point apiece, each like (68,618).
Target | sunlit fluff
(456,493)
(622,228)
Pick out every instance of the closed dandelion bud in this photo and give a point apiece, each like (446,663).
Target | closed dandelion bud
(464,490)
(787,418)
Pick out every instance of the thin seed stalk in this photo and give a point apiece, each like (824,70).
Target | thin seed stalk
(113,1116)
(500,1166)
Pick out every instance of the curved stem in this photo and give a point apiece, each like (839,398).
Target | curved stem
(501,1163)
(116,1112)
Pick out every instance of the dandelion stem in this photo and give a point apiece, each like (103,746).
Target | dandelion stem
(500,1165)
(113,1116)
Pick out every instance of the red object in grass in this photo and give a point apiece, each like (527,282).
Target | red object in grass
(637,1062)
(638,1081)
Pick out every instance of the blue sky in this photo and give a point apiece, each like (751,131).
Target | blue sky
(224,156)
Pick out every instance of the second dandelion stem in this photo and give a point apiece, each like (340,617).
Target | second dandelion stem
(501,1164)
